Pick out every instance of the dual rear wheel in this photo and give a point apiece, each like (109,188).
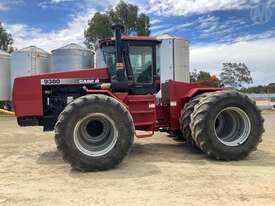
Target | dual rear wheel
(226,125)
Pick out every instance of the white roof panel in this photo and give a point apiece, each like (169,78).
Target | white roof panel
(33,49)
(73,46)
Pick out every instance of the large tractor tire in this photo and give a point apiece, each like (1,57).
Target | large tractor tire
(94,132)
(185,120)
(226,125)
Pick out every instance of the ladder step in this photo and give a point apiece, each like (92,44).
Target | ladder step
(144,123)
(143,134)
(143,112)
(141,100)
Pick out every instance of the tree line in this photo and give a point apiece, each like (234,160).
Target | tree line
(261,89)
(234,75)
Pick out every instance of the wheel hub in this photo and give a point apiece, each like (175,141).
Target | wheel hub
(95,134)
(95,128)
(232,126)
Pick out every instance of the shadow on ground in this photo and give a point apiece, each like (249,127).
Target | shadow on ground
(144,158)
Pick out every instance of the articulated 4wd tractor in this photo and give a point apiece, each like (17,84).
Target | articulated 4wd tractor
(96,113)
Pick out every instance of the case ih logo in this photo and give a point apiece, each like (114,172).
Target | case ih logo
(88,81)
(68,81)
(261,14)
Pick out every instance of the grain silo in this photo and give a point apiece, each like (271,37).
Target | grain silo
(5,81)
(28,61)
(72,57)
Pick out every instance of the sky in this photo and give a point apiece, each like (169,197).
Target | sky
(218,30)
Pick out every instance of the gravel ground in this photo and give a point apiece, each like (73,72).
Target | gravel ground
(158,172)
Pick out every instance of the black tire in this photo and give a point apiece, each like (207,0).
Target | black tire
(176,136)
(185,120)
(215,116)
(58,141)
(87,145)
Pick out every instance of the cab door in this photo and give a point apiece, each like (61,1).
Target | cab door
(142,59)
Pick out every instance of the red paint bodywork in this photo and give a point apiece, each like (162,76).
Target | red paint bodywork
(149,114)
(27,91)
(180,93)
(143,116)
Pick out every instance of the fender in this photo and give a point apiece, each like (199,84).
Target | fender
(121,97)
(195,91)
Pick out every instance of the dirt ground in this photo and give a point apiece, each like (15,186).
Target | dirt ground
(158,172)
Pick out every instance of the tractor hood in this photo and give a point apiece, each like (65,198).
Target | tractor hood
(27,90)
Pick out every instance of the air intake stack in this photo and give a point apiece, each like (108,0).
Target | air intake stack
(120,68)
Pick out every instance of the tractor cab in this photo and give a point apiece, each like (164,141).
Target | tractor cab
(144,62)
(139,55)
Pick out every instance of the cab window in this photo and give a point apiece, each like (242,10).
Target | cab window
(109,55)
(141,58)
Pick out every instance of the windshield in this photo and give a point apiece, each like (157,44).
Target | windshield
(141,60)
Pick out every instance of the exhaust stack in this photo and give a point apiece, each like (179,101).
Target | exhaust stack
(120,68)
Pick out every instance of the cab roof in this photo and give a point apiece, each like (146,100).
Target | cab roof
(128,38)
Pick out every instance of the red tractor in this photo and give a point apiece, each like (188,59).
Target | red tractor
(96,113)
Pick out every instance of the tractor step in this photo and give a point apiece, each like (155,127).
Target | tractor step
(143,111)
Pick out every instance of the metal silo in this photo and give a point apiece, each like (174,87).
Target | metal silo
(72,57)
(5,82)
(28,61)
(173,58)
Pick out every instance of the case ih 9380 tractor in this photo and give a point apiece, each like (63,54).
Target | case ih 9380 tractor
(97,112)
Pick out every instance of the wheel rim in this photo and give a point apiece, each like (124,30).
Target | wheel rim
(232,126)
(95,135)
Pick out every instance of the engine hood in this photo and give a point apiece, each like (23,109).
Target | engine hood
(27,90)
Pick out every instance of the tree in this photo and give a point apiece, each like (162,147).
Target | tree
(99,27)
(125,14)
(194,76)
(235,75)
(6,40)
(143,25)
(206,77)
